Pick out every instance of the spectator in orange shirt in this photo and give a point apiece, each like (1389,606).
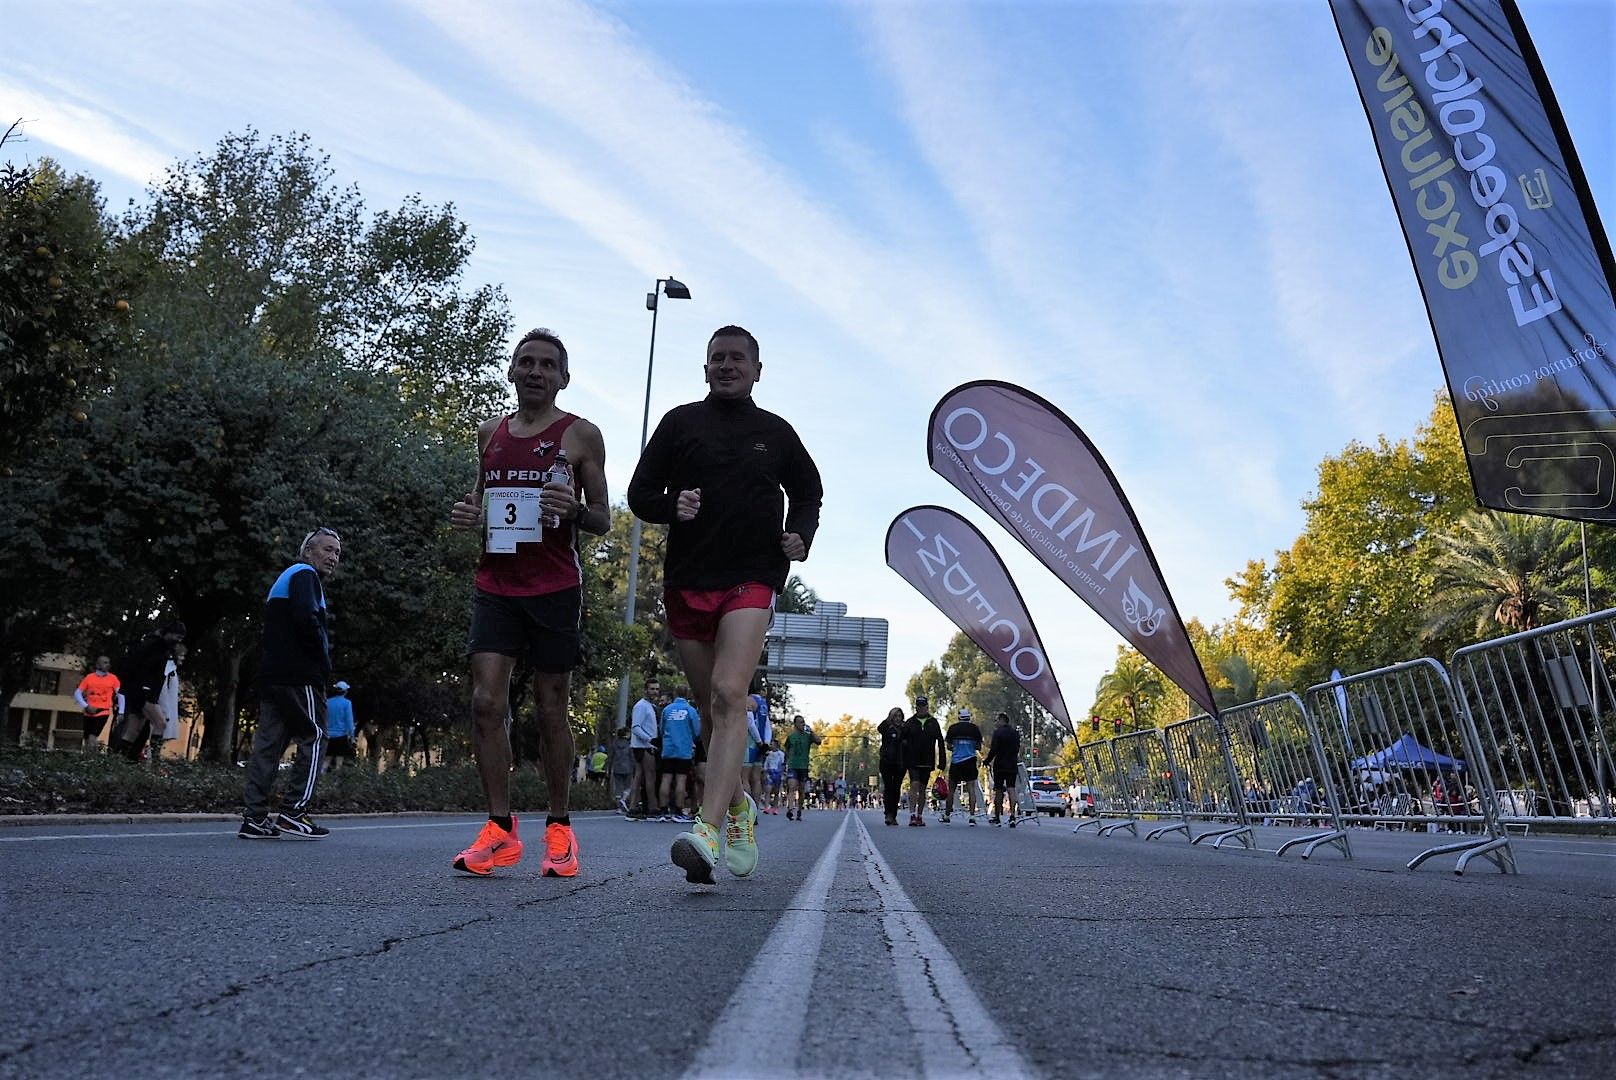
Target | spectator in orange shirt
(97,695)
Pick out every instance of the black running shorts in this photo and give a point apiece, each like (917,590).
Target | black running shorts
(962,772)
(1003,781)
(542,628)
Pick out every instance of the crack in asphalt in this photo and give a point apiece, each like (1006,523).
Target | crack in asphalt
(265,978)
(1530,1053)
(1333,1010)
(872,871)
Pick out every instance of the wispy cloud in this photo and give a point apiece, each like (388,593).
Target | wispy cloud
(96,134)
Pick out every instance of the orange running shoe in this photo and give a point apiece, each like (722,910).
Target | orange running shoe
(560,852)
(494,847)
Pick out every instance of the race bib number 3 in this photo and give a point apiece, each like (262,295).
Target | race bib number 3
(512,516)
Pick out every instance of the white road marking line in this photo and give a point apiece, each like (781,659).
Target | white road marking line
(957,1037)
(753,1021)
(206,832)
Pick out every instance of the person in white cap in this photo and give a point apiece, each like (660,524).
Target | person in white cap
(964,740)
(339,727)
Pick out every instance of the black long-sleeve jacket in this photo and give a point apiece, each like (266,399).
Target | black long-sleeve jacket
(297,649)
(1004,749)
(747,462)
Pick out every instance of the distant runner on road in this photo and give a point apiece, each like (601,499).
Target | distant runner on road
(964,739)
(1004,757)
(98,695)
(923,750)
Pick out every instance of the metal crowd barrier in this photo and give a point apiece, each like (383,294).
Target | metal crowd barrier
(1111,797)
(1542,703)
(1278,758)
(1206,779)
(1154,789)
(1398,750)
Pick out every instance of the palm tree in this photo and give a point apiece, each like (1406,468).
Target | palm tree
(797,598)
(1128,684)
(1245,682)
(1511,570)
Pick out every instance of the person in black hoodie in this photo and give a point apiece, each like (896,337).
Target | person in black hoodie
(141,674)
(1004,757)
(891,732)
(923,750)
(740,496)
(292,677)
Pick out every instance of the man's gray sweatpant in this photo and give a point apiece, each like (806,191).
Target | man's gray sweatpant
(286,714)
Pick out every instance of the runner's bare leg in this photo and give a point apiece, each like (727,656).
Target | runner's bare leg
(490,738)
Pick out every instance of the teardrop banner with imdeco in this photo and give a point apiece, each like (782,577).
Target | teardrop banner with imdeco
(1023,461)
(952,564)
(1516,270)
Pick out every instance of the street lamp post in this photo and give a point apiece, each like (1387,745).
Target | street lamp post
(673,290)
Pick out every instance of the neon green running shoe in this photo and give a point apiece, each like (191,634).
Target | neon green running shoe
(696,852)
(740,838)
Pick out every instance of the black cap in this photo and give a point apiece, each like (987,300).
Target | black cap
(921,699)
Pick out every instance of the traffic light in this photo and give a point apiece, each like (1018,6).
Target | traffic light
(1094,724)
(865,739)
(1116,727)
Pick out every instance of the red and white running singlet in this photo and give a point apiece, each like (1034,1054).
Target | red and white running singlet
(551,564)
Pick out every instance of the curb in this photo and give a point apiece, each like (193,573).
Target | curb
(16,820)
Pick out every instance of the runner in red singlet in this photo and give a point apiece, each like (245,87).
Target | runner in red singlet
(529,592)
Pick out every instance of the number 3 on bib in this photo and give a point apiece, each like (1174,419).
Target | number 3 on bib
(512,516)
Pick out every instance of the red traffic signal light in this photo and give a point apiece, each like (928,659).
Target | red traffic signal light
(1116,727)
(1094,724)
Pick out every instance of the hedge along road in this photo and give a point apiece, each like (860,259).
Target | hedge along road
(856,950)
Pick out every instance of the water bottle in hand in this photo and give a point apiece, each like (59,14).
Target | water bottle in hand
(560,473)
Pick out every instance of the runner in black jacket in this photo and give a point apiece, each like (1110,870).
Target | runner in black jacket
(718,473)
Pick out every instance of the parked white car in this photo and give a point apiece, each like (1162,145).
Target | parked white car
(1048,797)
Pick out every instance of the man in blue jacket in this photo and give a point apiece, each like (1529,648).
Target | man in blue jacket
(681,727)
(339,727)
(292,678)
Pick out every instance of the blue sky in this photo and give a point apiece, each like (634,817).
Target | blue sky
(1168,218)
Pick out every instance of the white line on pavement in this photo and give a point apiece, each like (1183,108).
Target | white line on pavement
(957,1037)
(752,1020)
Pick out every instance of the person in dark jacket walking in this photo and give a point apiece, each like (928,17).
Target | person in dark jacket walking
(891,732)
(1004,757)
(292,677)
(923,751)
(141,673)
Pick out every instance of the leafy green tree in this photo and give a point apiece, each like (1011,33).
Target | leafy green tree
(1133,685)
(248,410)
(965,676)
(797,598)
(846,742)
(1503,573)
(1241,680)
(63,306)
(63,321)
(1351,591)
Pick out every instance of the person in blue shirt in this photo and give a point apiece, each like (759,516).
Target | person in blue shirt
(681,727)
(339,727)
(964,739)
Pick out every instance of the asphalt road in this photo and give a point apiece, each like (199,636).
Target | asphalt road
(856,951)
